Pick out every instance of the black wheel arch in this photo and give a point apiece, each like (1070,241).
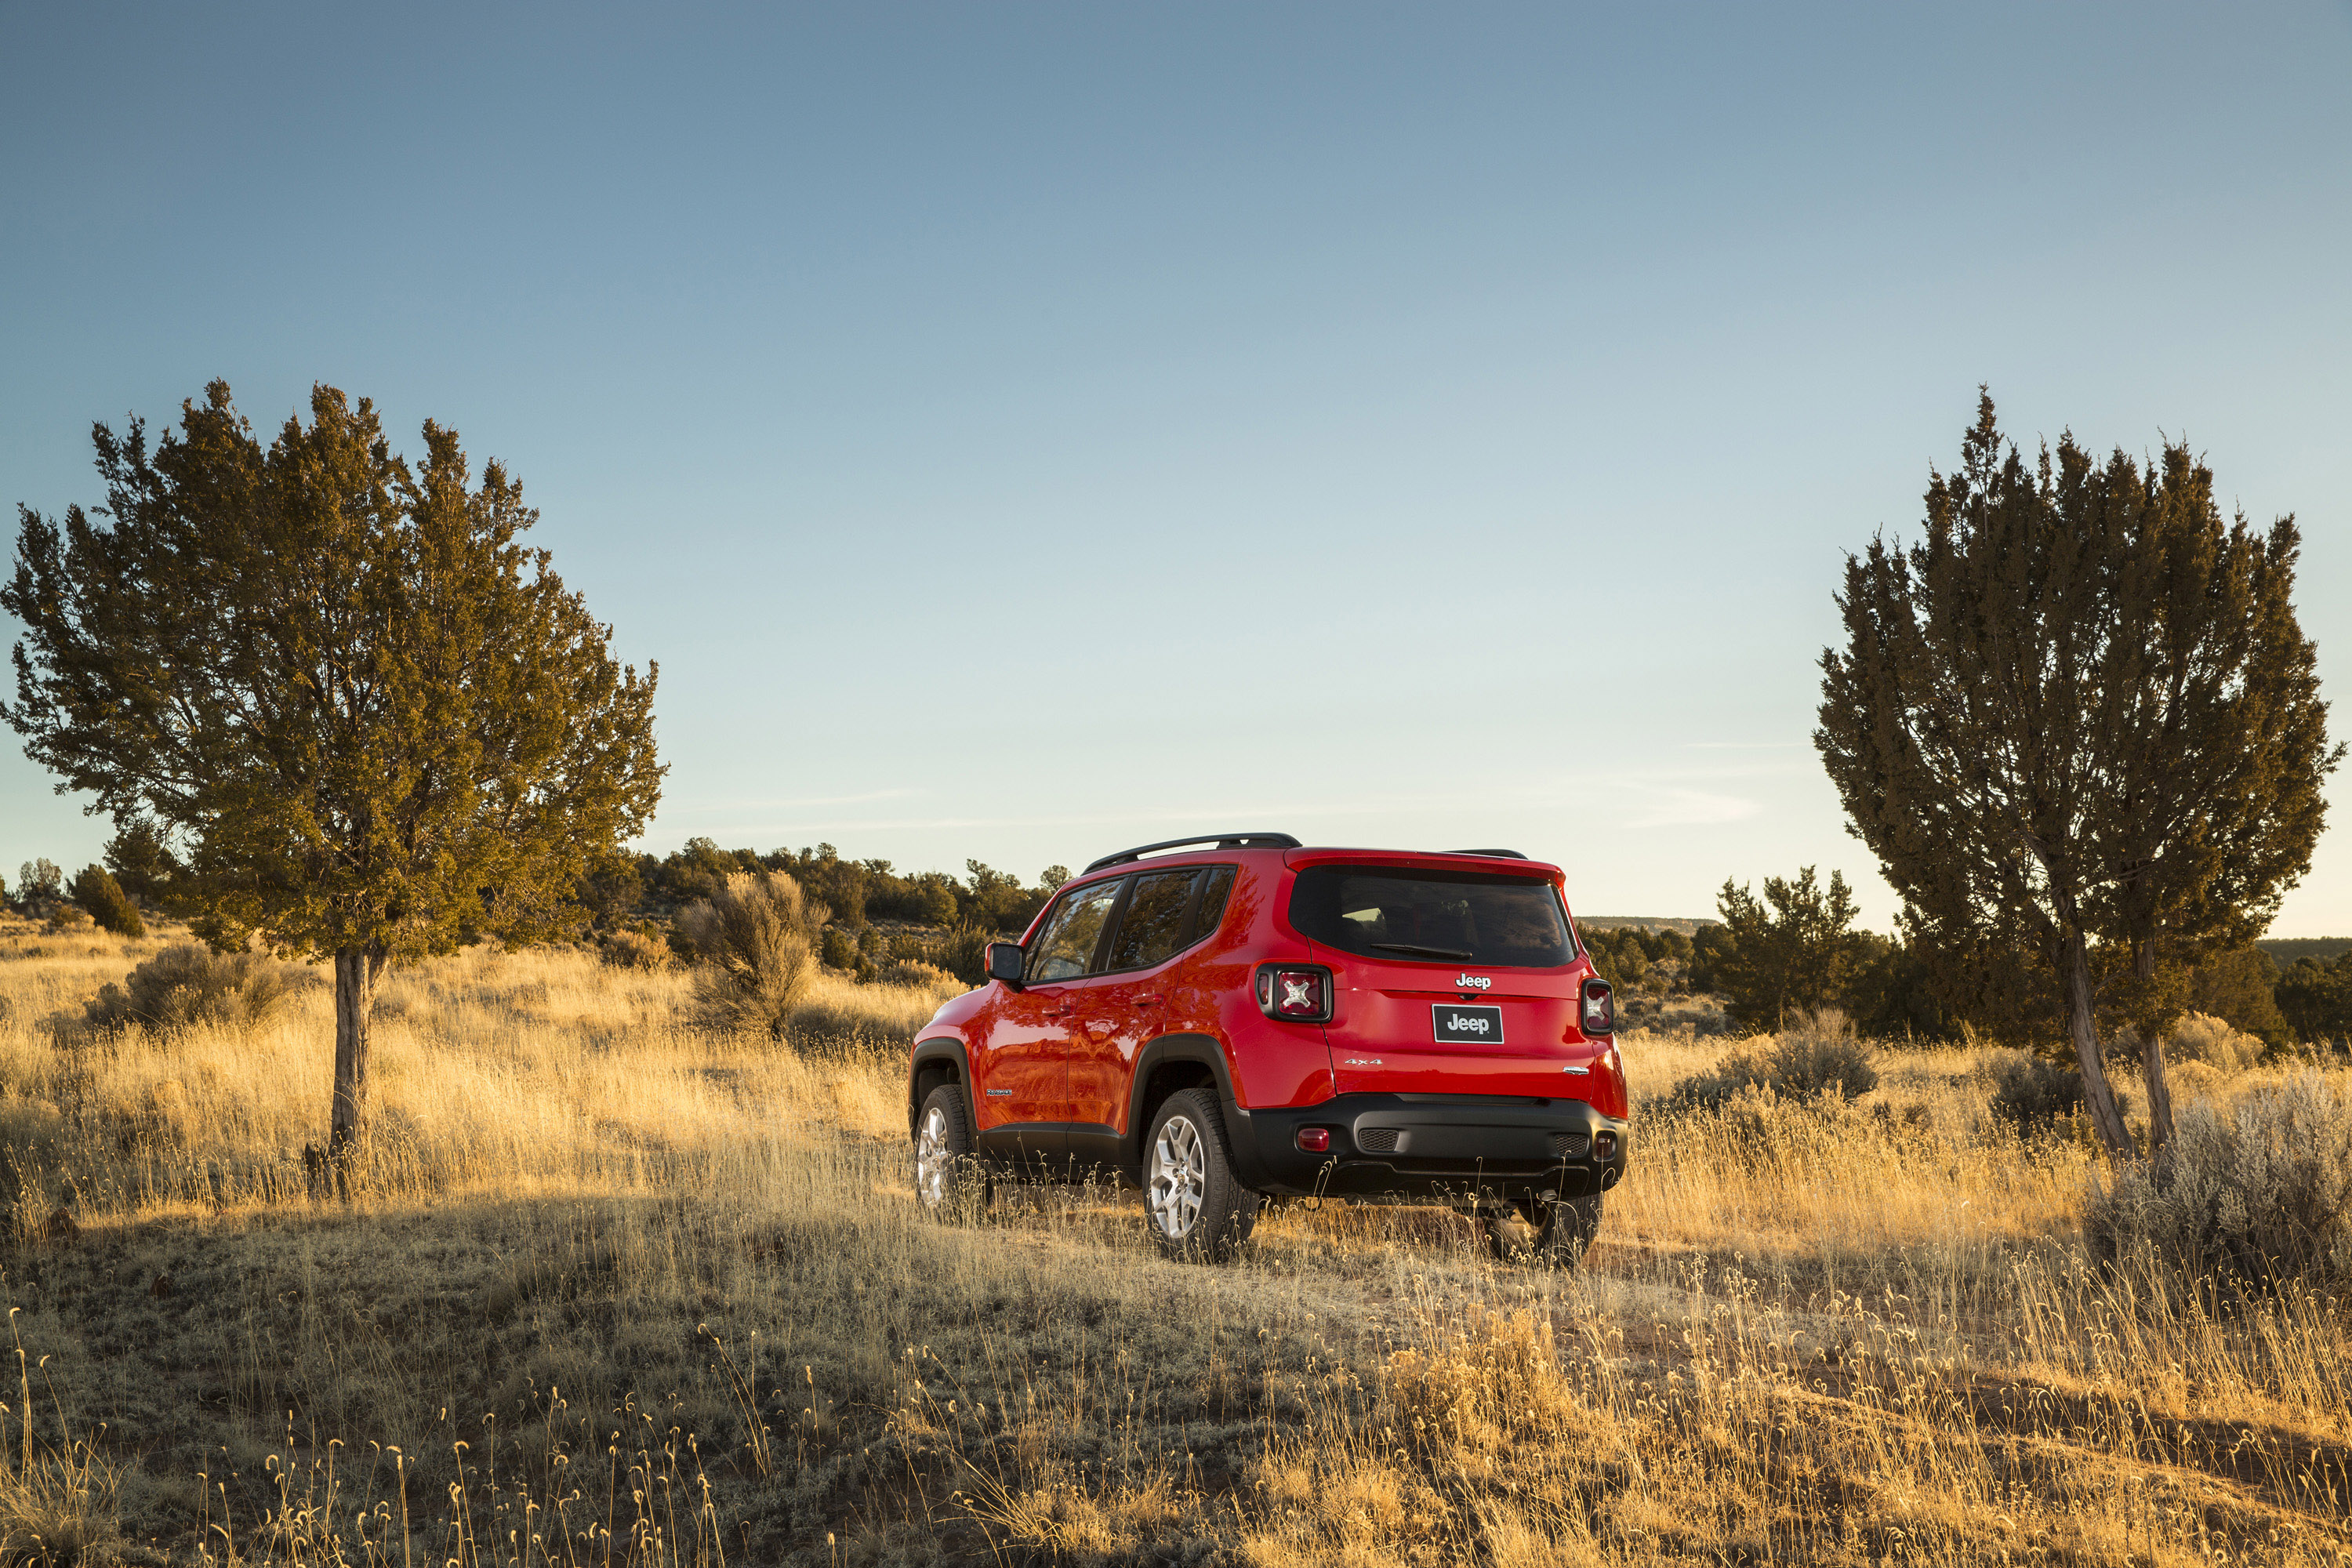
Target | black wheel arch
(1166,1066)
(935,1061)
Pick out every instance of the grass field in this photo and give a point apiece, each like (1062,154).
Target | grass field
(610,1290)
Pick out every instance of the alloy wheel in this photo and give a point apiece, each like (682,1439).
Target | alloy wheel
(933,1162)
(1179,1179)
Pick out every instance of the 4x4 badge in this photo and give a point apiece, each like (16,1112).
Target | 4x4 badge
(1474,982)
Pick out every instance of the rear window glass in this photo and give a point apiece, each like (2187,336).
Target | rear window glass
(1211,913)
(1152,929)
(1446,916)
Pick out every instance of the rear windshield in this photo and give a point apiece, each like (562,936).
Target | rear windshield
(1445,917)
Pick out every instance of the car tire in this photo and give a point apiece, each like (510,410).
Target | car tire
(1557,1236)
(1195,1206)
(949,1183)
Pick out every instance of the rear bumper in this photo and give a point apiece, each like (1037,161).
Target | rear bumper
(1456,1148)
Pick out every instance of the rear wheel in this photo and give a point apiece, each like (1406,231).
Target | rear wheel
(948,1180)
(1557,1233)
(1196,1206)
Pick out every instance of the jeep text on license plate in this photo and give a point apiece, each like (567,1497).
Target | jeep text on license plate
(1455,1024)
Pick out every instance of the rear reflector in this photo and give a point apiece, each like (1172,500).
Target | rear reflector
(1314,1140)
(1604,1145)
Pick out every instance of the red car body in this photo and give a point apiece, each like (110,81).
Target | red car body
(1356,1097)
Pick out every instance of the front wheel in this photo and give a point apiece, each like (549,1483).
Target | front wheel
(1196,1206)
(948,1180)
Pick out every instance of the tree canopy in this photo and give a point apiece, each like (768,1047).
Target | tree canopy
(1791,950)
(2080,726)
(328,698)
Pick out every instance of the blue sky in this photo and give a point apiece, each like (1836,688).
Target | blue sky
(1021,431)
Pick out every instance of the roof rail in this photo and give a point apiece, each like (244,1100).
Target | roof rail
(1221,841)
(1497,854)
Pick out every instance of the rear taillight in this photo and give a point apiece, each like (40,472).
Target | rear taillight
(1599,1010)
(1297,993)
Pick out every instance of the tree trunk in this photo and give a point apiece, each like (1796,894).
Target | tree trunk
(2082,1018)
(2151,1065)
(359,974)
(2083,1023)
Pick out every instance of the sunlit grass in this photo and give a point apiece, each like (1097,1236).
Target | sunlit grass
(623,1284)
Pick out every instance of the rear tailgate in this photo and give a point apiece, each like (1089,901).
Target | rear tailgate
(1411,1022)
(1407,1028)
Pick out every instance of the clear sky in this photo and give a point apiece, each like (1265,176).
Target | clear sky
(1020,431)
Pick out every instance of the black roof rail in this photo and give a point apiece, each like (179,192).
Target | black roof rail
(1497,854)
(1221,841)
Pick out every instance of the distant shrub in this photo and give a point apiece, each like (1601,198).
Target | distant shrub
(1818,1058)
(840,949)
(755,944)
(187,985)
(2200,1037)
(637,948)
(103,898)
(2261,1192)
(965,954)
(961,951)
(69,920)
(2032,1095)
(1731,1078)
(936,904)
(917,975)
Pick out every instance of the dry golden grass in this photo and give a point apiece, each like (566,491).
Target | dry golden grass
(610,1289)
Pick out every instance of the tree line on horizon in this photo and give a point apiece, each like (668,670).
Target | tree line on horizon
(1786,951)
(1795,950)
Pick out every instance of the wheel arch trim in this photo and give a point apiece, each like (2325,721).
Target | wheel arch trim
(925,1061)
(1201,1049)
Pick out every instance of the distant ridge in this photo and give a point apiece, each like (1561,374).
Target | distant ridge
(1655,922)
(2285,950)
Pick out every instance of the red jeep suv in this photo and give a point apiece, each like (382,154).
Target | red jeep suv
(1246,1018)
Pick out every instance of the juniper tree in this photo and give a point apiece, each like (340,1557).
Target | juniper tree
(331,698)
(2078,720)
(1791,950)
(100,894)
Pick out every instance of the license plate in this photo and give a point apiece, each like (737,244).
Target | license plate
(1455,1026)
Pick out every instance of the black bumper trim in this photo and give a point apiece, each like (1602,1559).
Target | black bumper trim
(1470,1149)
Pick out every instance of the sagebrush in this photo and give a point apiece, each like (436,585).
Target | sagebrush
(2260,1191)
(755,948)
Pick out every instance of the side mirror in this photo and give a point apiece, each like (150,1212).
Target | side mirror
(1005,961)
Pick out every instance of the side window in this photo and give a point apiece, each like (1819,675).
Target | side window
(1068,944)
(1214,893)
(1153,926)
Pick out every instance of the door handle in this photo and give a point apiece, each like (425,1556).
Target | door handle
(1146,1001)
